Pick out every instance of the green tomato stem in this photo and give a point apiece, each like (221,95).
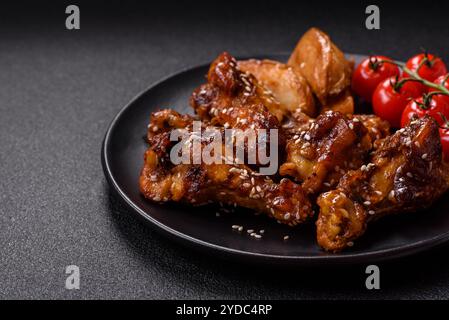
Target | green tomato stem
(416,77)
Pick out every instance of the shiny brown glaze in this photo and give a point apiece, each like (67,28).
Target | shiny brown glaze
(405,173)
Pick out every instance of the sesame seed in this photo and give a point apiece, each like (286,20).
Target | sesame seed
(424,156)
(409,174)
(367,203)
(356,120)
(350,244)
(250,231)
(287,216)
(286,237)
(262,231)
(234,226)
(240,228)
(378,192)
(391,194)
(257,236)
(307,136)
(371,212)
(351,126)
(417,144)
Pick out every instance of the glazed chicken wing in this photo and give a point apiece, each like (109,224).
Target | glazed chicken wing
(406,173)
(320,155)
(234,184)
(286,84)
(235,99)
(322,64)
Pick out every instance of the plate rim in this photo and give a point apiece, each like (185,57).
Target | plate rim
(333,259)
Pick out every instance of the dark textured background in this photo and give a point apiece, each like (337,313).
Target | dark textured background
(60,89)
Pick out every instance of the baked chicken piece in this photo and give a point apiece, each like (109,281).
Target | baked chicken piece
(377,127)
(286,84)
(234,184)
(325,68)
(320,155)
(406,173)
(235,99)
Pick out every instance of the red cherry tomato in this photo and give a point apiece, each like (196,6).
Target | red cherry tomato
(369,73)
(392,96)
(444,135)
(432,105)
(429,70)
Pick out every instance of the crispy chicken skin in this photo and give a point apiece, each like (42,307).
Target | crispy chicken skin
(377,127)
(199,184)
(321,154)
(287,85)
(235,98)
(322,64)
(406,173)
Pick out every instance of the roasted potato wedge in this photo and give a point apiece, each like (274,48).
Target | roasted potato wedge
(322,64)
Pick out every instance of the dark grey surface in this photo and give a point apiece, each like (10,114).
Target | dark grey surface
(60,89)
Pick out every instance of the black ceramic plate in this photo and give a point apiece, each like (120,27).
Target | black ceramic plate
(122,158)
